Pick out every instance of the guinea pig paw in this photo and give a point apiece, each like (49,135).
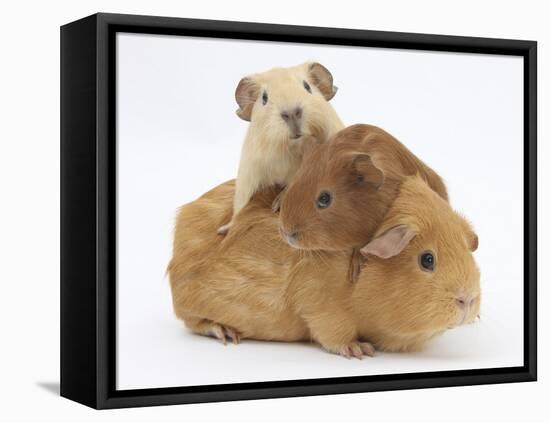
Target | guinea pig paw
(222,230)
(276,205)
(357,349)
(367,348)
(224,333)
(233,335)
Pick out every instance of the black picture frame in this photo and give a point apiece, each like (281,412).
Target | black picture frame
(88,202)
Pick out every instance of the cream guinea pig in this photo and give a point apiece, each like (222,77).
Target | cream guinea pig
(282,105)
(420,278)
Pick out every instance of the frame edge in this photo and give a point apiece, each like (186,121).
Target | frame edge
(78,358)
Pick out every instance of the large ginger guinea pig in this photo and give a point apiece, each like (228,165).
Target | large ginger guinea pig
(420,277)
(282,105)
(344,187)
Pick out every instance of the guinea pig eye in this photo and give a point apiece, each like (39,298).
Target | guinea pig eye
(427,261)
(264,98)
(307,87)
(324,200)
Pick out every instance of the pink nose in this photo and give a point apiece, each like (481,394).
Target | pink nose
(290,236)
(294,119)
(292,115)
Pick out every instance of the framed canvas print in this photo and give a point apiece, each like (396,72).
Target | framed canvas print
(256,211)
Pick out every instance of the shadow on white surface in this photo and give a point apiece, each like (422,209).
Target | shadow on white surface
(51,387)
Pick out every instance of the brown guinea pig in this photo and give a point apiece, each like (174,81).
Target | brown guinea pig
(344,187)
(421,278)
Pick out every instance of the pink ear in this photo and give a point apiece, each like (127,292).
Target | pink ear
(246,94)
(474,241)
(364,167)
(322,79)
(390,243)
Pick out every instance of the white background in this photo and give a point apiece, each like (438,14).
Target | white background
(178,136)
(29,175)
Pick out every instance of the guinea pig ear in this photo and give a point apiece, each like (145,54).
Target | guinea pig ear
(473,241)
(322,79)
(390,243)
(365,170)
(246,94)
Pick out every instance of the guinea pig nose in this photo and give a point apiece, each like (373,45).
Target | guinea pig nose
(292,115)
(289,235)
(292,236)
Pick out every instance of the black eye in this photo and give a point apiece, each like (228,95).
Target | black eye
(427,261)
(324,200)
(264,98)
(307,87)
